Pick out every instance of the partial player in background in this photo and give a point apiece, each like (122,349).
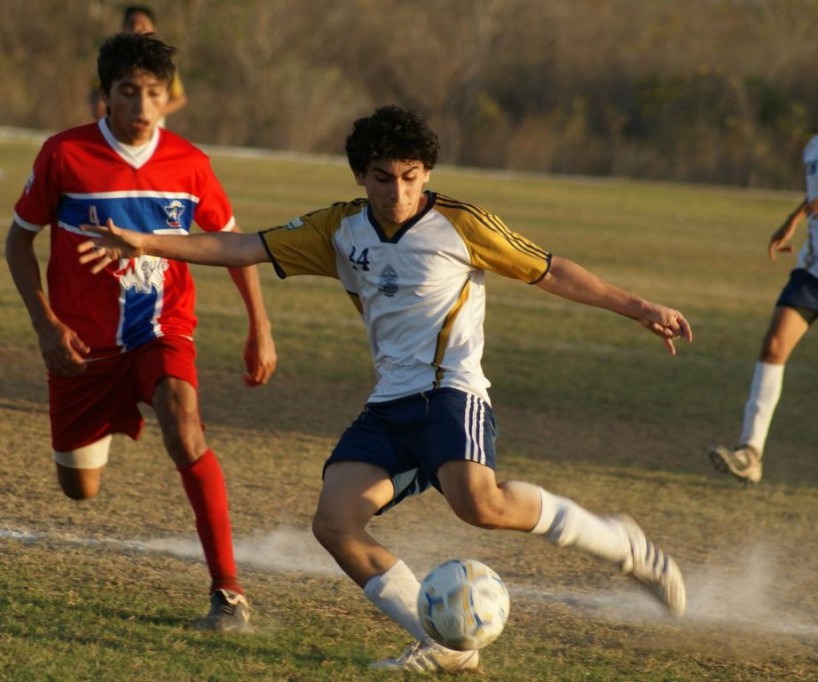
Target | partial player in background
(414,262)
(794,312)
(114,341)
(140,19)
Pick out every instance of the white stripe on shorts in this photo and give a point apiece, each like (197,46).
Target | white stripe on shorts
(474,418)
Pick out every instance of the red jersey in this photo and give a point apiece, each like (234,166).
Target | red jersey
(84,175)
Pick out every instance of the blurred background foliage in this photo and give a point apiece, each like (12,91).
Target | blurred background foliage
(710,91)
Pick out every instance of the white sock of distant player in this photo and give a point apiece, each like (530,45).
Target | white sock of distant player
(765,390)
(566,524)
(395,592)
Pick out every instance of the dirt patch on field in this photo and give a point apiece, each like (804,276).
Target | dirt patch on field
(747,553)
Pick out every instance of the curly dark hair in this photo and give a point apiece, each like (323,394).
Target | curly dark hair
(391,134)
(122,53)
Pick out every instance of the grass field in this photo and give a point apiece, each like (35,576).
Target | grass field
(589,405)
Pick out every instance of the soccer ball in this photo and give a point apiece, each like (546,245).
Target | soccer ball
(463,604)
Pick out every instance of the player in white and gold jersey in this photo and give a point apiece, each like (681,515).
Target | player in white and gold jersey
(793,314)
(413,262)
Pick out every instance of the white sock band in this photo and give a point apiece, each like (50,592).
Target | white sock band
(765,390)
(395,592)
(92,456)
(566,524)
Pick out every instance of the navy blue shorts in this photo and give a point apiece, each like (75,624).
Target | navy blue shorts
(801,293)
(411,437)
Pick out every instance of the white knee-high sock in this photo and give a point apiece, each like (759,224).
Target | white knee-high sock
(765,390)
(395,592)
(566,524)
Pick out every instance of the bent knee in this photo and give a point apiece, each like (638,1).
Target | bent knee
(326,530)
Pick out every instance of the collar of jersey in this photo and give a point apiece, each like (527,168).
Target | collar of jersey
(430,202)
(137,161)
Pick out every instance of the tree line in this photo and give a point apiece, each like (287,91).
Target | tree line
(710,91)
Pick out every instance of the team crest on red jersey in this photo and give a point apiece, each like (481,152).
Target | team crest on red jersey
(174,211)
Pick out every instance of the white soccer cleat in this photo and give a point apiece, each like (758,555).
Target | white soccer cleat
(427,656)
(653,568)
(743,462)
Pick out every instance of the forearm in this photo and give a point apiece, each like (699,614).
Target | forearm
(249,287)
(798,214)
(230,249)
(571,281)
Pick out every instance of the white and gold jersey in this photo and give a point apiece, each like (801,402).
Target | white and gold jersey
(420,291)
(808,256)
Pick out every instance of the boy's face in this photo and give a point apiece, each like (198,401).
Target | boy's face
(136,102)
(394,189)
(138,22)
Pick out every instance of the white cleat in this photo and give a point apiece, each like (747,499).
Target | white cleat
(427,656)
(653,568)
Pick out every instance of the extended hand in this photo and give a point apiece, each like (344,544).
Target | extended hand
(110,244)
(668,324)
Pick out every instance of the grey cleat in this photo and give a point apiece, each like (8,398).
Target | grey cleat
(229,612)
(743,462)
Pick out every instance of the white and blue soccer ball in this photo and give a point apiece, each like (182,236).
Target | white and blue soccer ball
(463,604)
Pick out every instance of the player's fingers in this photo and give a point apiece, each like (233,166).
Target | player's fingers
(103,262)
(92,255)
(685,331)
(87,245)
(80,346)
(259,375)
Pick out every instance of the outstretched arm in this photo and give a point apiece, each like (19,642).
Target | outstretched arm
(779,241)
(570,280)
(228,249)
(235,250)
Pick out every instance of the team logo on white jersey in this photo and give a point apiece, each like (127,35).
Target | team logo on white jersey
(144,274)
(388,281)
(174,211)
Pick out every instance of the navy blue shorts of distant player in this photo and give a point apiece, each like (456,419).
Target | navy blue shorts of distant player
(411,437)
(801,293)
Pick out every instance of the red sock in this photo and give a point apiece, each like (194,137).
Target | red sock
(204,484)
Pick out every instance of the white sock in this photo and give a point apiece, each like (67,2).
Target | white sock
(566,524)
(395,592)
(765,390)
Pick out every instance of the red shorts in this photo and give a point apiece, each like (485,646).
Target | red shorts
(104,398)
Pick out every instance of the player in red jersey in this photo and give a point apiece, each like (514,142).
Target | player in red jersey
(126,338)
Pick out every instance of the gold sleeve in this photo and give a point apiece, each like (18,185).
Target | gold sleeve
(304,246)
(492,245)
